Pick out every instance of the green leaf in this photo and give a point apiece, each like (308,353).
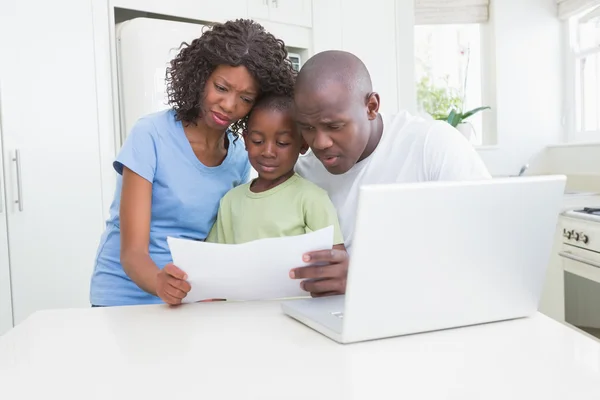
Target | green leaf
(473,111)
(436,100)
(454,118)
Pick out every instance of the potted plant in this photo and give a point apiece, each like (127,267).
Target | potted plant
(445,104)
(457,119)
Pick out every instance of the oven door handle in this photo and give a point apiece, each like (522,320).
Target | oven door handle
(573,257)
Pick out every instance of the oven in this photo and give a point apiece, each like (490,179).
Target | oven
(580,253)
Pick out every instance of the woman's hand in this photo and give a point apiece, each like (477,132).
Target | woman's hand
(171,285)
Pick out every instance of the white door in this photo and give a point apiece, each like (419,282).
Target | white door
(6,316)
(294,12)
(49,119)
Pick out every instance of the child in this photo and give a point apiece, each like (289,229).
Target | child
(279,202)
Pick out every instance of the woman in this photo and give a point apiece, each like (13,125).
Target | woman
(176,164)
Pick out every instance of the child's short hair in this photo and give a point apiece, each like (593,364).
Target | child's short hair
(283,103)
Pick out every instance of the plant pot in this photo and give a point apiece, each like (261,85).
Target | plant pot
(467,130)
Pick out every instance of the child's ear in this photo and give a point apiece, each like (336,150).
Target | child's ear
(304,147)
(245,137)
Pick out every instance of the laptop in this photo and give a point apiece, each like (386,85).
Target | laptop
(438,255)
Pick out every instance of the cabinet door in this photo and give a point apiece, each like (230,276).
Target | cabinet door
(552,300)
(51,151)
(258,9)
(5,292)
(293,12)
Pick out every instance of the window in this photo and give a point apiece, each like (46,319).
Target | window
(448,72)
(451,70)
(584,33)
(582,69)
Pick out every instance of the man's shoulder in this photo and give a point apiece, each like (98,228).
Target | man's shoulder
(403,126)
(407,131)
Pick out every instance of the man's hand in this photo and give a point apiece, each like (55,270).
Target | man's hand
(326,278)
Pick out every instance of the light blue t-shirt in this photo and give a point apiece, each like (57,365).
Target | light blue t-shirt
(185,199)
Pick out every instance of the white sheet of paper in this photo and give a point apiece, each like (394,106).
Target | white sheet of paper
(257,270)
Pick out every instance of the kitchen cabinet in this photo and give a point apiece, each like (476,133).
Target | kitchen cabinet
(5,291)
(552,300)
(52,209)
(339,25)
(199,10)
(291,12)
(258,9)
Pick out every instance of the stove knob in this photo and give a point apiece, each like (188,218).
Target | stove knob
(584,239)
(576,237)
(568,235)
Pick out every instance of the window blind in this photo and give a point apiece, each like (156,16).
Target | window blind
(430,12)
(569,8)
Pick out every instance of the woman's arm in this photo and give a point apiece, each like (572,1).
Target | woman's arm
(135,213)
(136,205)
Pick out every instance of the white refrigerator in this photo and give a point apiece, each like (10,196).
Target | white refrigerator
(145,46)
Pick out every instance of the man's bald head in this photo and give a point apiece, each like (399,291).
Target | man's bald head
(335,67)
(336,109)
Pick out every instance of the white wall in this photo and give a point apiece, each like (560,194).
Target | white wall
(371,33)
(527,39)
(580,162)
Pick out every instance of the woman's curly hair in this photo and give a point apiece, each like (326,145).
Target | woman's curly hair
(234,43)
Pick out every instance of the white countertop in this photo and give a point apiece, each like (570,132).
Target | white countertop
(580,200)
(253,351)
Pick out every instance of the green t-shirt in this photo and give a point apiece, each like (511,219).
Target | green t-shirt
(292,208)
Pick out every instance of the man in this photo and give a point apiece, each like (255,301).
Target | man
(353,145)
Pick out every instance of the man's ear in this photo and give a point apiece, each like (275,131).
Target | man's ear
(372,103)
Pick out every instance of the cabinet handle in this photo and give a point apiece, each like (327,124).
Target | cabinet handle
(573,257)
(275,3)
(17,160)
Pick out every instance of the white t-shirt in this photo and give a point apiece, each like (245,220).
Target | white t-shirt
(411,149)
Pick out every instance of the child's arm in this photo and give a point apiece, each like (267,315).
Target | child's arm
(320,213)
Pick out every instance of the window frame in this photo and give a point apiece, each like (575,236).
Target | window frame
(572,54)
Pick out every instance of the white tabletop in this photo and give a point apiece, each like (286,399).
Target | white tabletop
(253,351)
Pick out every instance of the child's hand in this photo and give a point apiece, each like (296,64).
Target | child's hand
(171,285)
